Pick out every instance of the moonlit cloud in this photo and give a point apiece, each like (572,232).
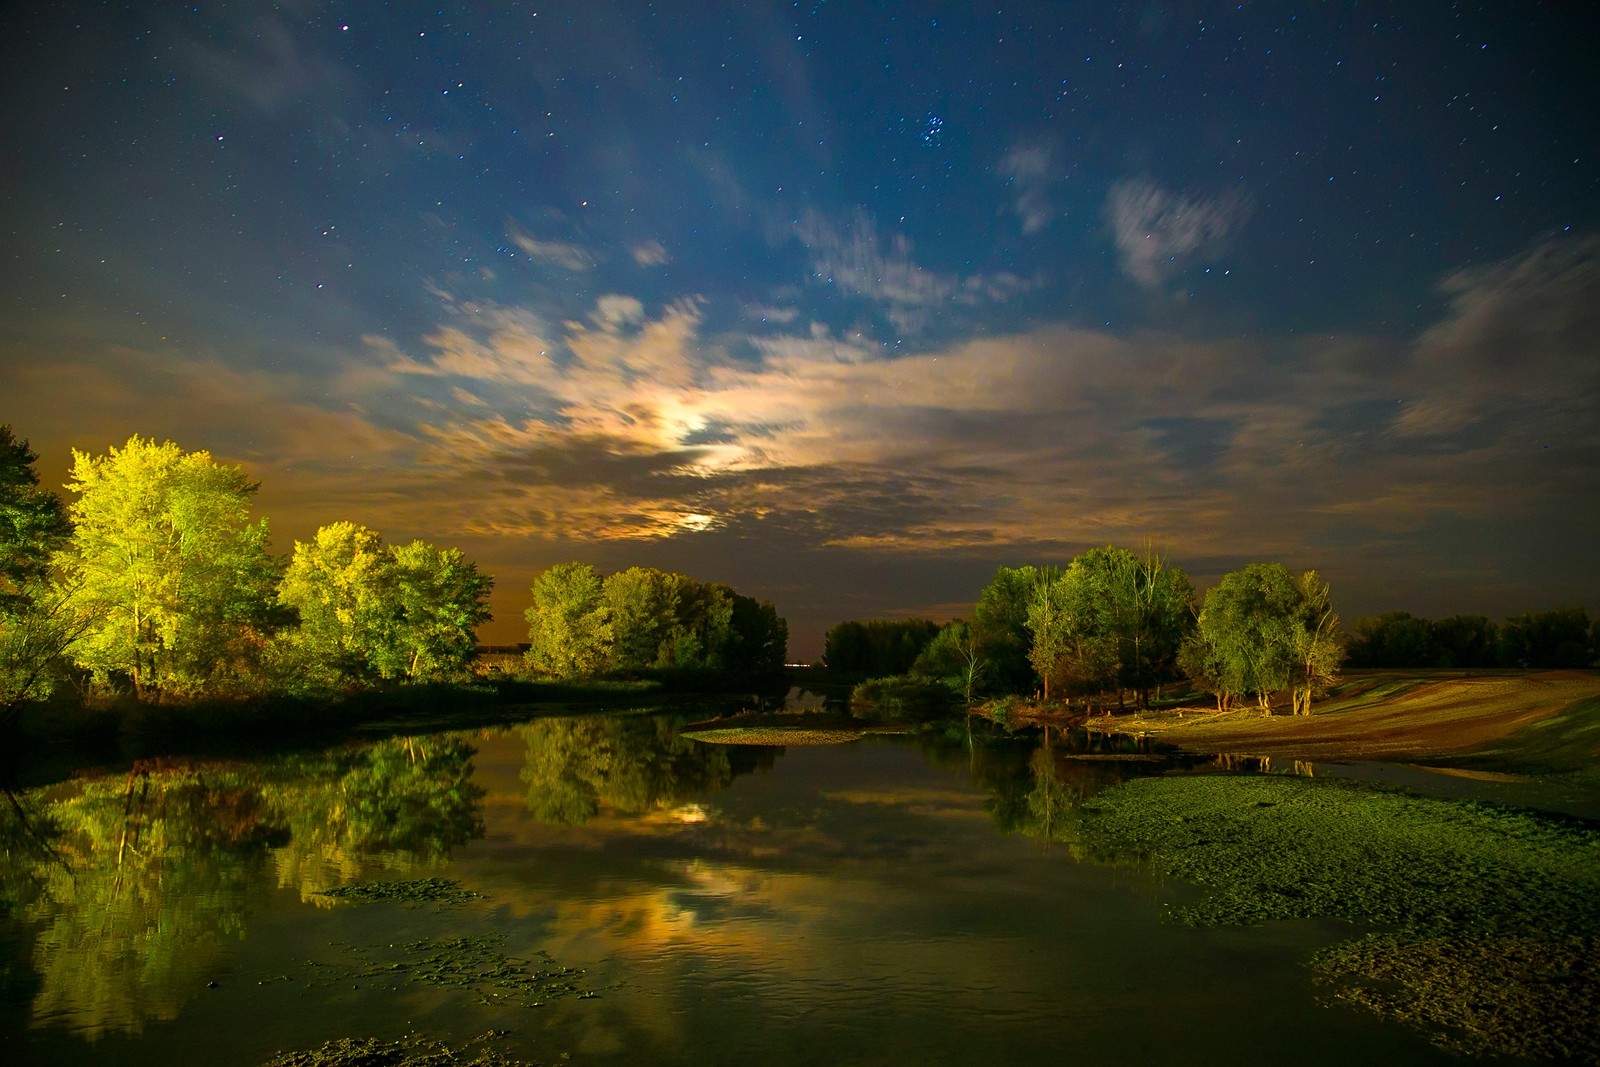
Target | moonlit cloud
(1158,232)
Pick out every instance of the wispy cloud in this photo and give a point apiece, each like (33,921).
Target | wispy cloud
(648,253)
(855,257)
(562,253)
(1030,171)
(1158,232)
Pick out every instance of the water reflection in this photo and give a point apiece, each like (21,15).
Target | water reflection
(729,904)
(135,886)
(630,765)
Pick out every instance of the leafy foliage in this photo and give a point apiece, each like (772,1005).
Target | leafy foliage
(166,560)
(1263,629)
(33,523)
(1112,620)
(1000,625)
(859,648)
(368,611)
(643,619)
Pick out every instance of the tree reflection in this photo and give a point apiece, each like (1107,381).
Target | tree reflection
(1039,782)
(573,766)
(135,884)
(157,873)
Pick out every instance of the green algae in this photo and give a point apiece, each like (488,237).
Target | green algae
(421,891)
(1487,919)
(476,964)
(412,1050)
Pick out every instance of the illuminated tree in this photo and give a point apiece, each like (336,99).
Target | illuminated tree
(339,584)
(166,560)
(1263,629)
(569,623)
(370,611)
(443,599)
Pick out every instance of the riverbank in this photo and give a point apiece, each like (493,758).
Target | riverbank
(1519,722)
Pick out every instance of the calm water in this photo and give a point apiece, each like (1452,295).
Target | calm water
(883,901)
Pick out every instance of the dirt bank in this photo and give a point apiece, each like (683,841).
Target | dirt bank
(1547,720)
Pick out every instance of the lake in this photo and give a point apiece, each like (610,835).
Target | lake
(607,891)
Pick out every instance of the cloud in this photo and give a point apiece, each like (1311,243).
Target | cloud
(648,253)
(563,254)
(1029,171)
(267,63)
(1521,334)
(857,259)
(1158,231)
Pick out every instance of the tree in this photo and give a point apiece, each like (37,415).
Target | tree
(165,558)
(1000,625)
(33,523)
(37,619)
(1546,639)
(368,611)
(1262,629)
(442,600)
(954,658)
(340,585)
(1318,646)
(569,623)
(876,647)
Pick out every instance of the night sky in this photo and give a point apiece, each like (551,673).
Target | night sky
(843,304)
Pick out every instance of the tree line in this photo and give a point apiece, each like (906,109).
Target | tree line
(1563,637)
(157,579)
(1114,624)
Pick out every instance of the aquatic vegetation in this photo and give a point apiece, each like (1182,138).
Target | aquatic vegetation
(421,891)
(412,1050)
(1492,915)
(774,735)
(475,964)
(1523,996)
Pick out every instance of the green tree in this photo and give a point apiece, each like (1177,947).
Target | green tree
(443,599)
(33,523)
(1000,625)
(1318,644)
(954,658)
(340,584)
(166,560)
(569,623)
(369,611)
(37,618)
(1263,629)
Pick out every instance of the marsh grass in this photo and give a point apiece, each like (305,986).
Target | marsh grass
(1460,893)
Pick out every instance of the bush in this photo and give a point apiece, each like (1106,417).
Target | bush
(899,697)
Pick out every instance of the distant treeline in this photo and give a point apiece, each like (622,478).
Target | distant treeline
(1564,637)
